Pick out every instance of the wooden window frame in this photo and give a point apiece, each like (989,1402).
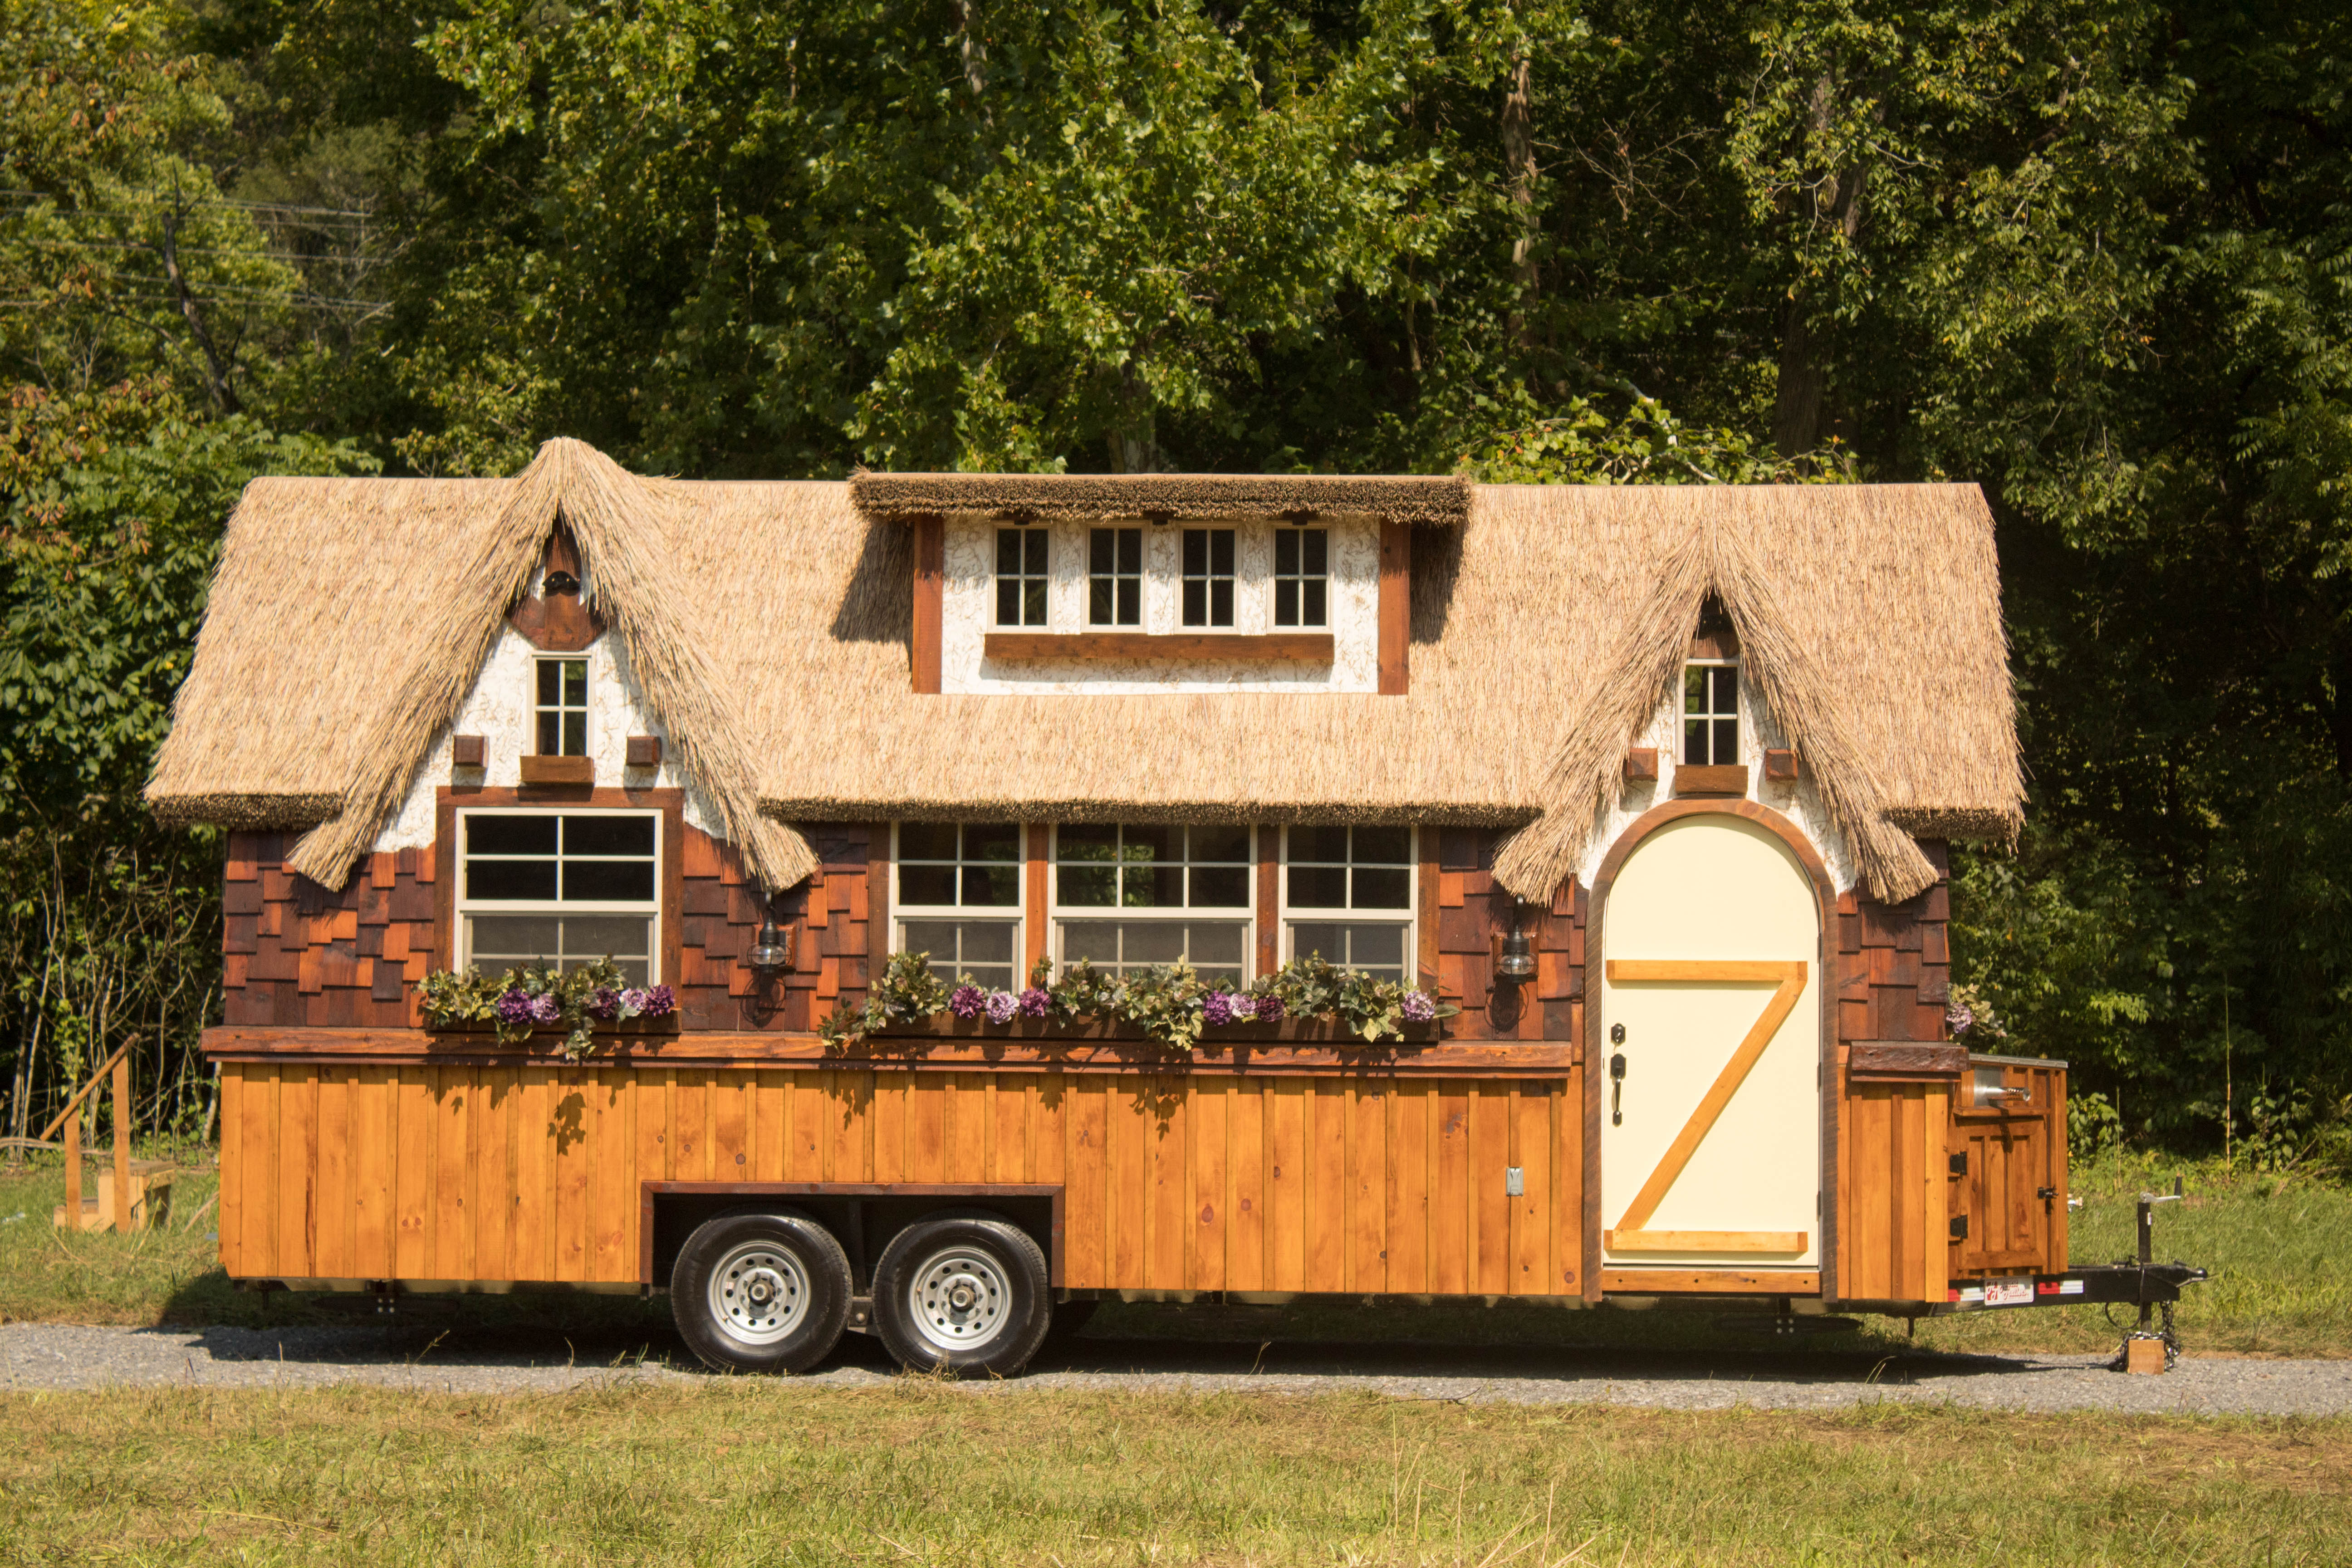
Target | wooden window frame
(671,803)
(586,709)
(1209,577)
(1141,576)
(1712,716)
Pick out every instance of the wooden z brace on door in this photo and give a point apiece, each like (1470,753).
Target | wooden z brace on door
(1788,981)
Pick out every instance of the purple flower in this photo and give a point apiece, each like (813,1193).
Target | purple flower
(546,1009)
(1419,1006)
(1243,1006)
(1959,1019)
(515,1006)
(1002,1006)
(660,1002)
(1216,1007)
(967,1001)
(1035,1003)
(1270,1009)
(633,1001)
(605,1005)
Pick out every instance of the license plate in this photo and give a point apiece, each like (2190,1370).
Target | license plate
(2009,1292)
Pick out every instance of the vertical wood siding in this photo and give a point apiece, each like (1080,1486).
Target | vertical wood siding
(1357,1185)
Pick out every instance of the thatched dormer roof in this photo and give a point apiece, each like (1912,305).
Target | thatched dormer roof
(770,625)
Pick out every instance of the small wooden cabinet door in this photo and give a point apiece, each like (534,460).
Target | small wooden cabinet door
(2008,1177)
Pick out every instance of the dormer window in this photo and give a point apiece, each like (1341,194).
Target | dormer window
(1710,714)
(563,707)
(1115,577)
(1021,577)
(1208,576)
(1302,576)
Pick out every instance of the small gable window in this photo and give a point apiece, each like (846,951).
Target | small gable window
(1208,576)
(1021,577)
(1115,577)
(1710,714)
(1302,576)
(563,707)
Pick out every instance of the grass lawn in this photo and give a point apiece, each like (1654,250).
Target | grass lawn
(760,1471)
(2281,1258)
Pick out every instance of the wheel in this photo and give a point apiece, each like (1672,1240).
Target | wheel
(757,1291)
(963,1293)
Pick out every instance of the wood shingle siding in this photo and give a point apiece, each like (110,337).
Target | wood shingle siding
(293,953)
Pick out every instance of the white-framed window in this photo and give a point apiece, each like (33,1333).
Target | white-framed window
(1348,894)
(563,887)
(1021,575)
(1208,563)
(1302,576)
(1710,714)
(561,705)
(1115,577)
(1127,897)
(958,897)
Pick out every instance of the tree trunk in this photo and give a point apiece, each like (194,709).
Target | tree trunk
(1134,443)
(1801,399)
(1519,162)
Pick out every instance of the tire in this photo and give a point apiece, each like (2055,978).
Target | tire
(760,1291)
(964,1294)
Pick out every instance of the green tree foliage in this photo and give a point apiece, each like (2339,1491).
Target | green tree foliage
(2093,255)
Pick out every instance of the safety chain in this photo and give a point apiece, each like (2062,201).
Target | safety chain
(2167,1333)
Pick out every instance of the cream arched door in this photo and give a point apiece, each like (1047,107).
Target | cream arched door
(1710,1140)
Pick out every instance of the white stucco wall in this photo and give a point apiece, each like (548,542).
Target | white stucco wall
(969,609)
(500,708)
(1800,802)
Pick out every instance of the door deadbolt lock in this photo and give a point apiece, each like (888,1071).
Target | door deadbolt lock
(1616,1033)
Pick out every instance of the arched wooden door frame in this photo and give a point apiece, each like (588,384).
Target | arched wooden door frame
(1597,1026)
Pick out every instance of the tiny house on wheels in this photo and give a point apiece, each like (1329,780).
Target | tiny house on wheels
(922,904)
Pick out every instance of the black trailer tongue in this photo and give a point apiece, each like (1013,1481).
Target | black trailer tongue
(2142,1282)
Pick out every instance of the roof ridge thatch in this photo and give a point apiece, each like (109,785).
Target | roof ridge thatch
(1642,675)
(1394,497)
(609,511)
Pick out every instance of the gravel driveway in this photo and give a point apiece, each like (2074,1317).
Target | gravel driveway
(54,1356)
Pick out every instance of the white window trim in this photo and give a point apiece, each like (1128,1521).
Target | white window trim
(1058,914)
(1409,917)
(996,578)
(1143,574)
(462,906)
(587,702)
(1240,579)
(1273,578)
(1738,710)
(1015,914)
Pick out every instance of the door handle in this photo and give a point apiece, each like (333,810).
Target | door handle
(1617,1089)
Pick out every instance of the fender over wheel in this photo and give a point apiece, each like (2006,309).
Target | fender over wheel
(963,1293)
(759,1290)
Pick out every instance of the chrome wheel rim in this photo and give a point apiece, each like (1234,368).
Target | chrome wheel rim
(960,1299)
(758,1293)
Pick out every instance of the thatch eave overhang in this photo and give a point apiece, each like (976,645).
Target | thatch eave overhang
(1434,499)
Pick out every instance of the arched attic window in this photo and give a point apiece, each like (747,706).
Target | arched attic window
(1711,692)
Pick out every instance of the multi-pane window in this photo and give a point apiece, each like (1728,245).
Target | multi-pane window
(1129,897)
(1348,897)
(959,898)
(560,888)
(563,707)
(1021,577)
(1208,576)
(1115,577)
(1710,714)
(1302,576)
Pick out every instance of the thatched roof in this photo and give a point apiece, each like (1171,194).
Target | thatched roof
(1442,498)
(770,623)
